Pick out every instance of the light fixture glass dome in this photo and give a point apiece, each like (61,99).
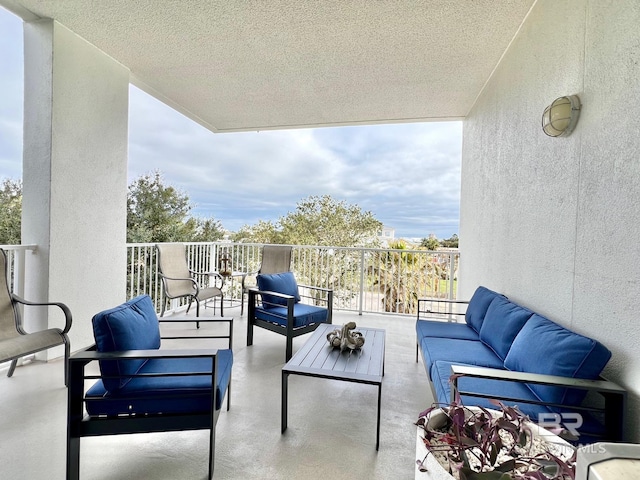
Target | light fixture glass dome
(560,118)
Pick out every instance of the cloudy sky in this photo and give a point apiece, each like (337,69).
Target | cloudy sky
(407,175)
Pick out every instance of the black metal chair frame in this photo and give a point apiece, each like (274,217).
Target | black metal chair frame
(79,424)
(21,336)
(288,330)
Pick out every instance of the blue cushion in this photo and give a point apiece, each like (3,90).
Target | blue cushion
(478,306)
(284,283)
(153,395)
(130,326)
(458,351)
(441,373)
(543,346)
(435,328)
(501,324)
(303,314)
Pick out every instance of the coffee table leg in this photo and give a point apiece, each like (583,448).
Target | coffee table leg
(378,426)
(285,380)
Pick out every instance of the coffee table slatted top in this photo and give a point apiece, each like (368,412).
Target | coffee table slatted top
(317,358)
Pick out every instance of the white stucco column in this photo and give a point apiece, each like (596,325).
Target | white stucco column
(74,177)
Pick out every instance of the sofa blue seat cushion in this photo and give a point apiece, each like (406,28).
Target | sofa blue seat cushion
(502,322)
(155,395)
(130,326)
(543,346)
(436,328)
(284,283)
(303,314)
(478,306)
(458,351)
(441,374)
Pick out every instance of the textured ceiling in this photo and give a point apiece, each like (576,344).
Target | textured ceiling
(255,65)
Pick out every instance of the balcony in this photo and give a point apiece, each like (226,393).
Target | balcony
(332,424)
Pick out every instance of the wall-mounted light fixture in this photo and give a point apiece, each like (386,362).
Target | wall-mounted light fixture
(560,118)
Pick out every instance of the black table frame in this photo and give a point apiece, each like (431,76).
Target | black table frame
(317,359)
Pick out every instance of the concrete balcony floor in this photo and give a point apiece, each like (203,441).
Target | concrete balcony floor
(331,434)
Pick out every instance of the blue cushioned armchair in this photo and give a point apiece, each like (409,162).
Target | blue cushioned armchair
(142,388)
(277,305)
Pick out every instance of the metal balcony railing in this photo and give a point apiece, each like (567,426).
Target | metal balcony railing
(363,279)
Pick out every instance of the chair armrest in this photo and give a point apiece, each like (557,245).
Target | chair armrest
(62,306)
(207,274)
(93,355)
(321,289)
(600,385)
(184,319)
(442,307)
(615,396)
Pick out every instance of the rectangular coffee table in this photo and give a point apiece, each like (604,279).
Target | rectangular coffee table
(317,359)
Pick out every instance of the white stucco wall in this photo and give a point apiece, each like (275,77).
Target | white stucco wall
(75,175)
(555,223)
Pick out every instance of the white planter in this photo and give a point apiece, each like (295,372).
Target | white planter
(435,471)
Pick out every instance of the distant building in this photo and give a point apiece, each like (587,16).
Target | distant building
(386,235)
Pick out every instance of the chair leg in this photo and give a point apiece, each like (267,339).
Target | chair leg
(67,354)
(12,367)
(197,312)
(221,305)
(164,305)
(289,352)
(212,446)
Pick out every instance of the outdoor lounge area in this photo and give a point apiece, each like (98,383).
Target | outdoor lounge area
(552,222)
(331,430)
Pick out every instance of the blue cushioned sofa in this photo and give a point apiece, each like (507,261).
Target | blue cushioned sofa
(142,388)
(507,352)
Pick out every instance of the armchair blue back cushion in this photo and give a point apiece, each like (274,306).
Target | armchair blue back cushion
(130,326)
(284,283)
(478,306)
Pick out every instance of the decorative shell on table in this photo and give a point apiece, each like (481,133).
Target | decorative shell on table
(346,338)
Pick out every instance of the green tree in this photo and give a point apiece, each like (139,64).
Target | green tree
(450,242)
(160,213)
(10,211)
(318,220)
(430,243)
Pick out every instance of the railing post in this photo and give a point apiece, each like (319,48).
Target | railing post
(452,264)
(361,303)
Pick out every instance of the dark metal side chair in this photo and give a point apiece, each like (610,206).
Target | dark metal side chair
(15,341)
(179,280)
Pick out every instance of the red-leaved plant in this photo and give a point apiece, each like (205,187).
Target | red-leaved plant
(480,444)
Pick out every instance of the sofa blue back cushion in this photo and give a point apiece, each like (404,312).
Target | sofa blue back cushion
(130,326)
(284,283)
(478,306)
(543,346)
(501,324)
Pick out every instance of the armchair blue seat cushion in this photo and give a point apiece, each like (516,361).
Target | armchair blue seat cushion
(543,346)
(284,283)
(502,322)
(130,326)
(478,306)
(168,395)
(303,314)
